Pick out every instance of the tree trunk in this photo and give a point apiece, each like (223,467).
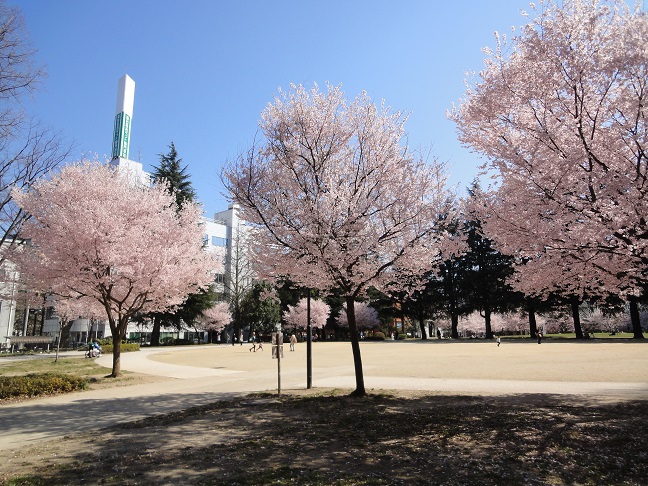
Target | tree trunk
(355,346)
(65,332)
(116,369)
(58,344)
(42,324)
(533,325)
(487,321)
(423,330)
(454,318)
(237,325)
(576,317)
(155,334)
(634,318)
(118,332)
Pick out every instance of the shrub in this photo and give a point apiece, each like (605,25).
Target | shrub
(39,384)
(125,347)
(377,336)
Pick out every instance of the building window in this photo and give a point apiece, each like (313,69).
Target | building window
(220,278)
(218,241)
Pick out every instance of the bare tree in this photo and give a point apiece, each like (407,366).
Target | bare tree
(239,274)
(28,151)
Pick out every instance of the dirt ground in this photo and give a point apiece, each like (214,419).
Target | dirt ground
(520,359)
(324,437)
(391,437)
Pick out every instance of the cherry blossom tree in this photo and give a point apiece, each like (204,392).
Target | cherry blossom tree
(365,315)
(216,318)
(335,198)
(296,316)
(559,111)
(96,235)
(70,309)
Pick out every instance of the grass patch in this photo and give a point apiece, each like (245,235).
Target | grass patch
(571,335)
(76,366)
(27,481)
(70,369)
(595,335)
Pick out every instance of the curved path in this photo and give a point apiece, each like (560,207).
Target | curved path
(195,375)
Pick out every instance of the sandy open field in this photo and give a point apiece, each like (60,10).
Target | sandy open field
(596,368)
(561,361)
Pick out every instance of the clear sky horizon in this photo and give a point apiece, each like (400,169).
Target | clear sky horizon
(205,69)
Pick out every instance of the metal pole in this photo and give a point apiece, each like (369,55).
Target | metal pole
(309,339)
(278,365)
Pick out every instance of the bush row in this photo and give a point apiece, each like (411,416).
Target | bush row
(125,347)
(39,384)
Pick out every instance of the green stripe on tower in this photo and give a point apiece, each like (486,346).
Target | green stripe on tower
(121,136)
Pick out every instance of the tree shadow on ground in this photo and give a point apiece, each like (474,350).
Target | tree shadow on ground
(376,440)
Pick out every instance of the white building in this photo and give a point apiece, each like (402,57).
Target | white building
(221,236)
(8,297)
(221,232)
(122,132)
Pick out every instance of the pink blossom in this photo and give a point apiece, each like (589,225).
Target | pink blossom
(216,318)
(334,198)
(559,113)
(296,316)
(366,317)
(95,234)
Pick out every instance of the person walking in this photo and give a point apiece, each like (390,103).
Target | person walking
(498,341)
(293,340)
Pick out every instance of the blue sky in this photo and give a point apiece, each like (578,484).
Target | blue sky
(205,69)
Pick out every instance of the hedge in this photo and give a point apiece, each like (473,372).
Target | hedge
(39,384)
(124,348)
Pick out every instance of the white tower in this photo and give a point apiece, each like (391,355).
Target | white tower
(122,132)
(123,117)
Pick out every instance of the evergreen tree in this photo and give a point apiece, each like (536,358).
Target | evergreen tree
(419,305)
(175,176)
(171,172)
(259,311)
(487,271)
(448,293)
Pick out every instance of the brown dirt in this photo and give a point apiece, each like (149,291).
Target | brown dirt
(323,437)
(100,382)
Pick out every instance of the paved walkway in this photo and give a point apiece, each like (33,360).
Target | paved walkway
(198,375)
